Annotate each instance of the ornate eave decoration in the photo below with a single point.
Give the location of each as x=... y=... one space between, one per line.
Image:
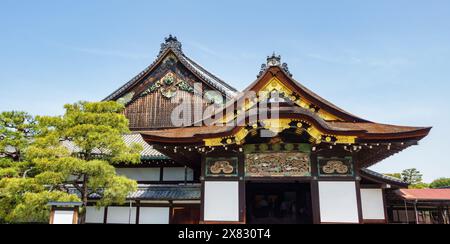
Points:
x=274 y=61
x=275 y=85
x=168 y=86
x=279 y=125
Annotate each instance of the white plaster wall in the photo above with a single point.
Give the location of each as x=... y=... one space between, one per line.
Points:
x=95 y=215
x=154 y=215
x=222 y=201
x=120 y=215
x=177 y=174
x=338 y=202
x=63 y=217
x=141 y=174
x=372 y=204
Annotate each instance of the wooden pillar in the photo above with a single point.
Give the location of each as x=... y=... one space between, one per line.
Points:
x=358 y=186
x=105 y=217
x=315 y=201
x=138 y=211
x=242 y=190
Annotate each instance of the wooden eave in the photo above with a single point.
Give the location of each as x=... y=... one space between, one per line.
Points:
x=197 y=134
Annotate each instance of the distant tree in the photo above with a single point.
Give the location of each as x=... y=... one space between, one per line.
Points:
x=419 y=186
x=440 y=183
x=395 y=175
x=412 y=176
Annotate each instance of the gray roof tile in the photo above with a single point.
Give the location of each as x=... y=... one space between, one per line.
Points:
x=147 y=153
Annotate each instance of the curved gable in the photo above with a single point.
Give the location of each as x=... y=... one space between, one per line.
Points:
x=151 y=97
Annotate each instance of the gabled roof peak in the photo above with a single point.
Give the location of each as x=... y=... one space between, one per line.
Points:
x=171 y=42
x=274 y=61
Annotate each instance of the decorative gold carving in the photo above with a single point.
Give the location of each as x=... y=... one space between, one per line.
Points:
x=278 y=165
x=279 y=125
x=169 y=85
x=335 y=166
x=220 y=167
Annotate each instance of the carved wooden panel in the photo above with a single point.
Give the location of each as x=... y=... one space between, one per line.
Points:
x=335 y=166
x=221 y=167
x=278 y=165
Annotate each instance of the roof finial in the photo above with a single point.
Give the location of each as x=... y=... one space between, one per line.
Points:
x=172 y=43
x=274 y=61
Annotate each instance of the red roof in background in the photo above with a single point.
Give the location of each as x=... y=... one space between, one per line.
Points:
x=425 y=194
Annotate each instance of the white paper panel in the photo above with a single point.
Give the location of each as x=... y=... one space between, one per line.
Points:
x=121 y=215
x=63 y=217
x=177 y=174
x=94 y=215
x=222 y=201
x=141 y=174
x=338 y=202
x=372 y=204
x=154 y=215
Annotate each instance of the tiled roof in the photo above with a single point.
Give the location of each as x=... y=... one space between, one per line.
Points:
x=173 y=45
x=365 y=130
x=147 y=153
x=424 y=194
x=162 y=192
x=384 y=177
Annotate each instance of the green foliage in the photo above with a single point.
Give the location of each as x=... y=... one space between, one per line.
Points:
x=16 y=130
x=46 y=169
x=12 y=193
x=440 y=183
x=395 y=175
x=412 y=176
x=419 y=186
x=34 y=208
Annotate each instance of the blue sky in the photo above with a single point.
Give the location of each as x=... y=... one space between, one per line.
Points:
x=387 y=61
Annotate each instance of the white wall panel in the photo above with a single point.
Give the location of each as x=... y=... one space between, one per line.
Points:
x=222 y=201
x=372 y=204
x=121 y=215
x=63 y=217
x=95 y=215
x=141 y=174
x=338 y=202
x=154 y=215
x=177 y=174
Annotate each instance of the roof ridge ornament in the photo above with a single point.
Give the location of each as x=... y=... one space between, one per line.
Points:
x=274 y=61
x=171 y=42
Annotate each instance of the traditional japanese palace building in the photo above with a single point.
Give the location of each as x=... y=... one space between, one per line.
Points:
x=297 y=159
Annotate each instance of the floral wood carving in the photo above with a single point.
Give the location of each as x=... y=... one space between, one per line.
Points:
x=169 y=85
x=338 y=167
x=335 y=166
x=222 y=167
x=278 y=165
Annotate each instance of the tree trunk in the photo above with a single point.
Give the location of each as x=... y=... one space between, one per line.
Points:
x=85 y=196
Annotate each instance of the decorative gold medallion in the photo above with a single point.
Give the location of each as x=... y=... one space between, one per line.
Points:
x=222 y=167
x=333 y=167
